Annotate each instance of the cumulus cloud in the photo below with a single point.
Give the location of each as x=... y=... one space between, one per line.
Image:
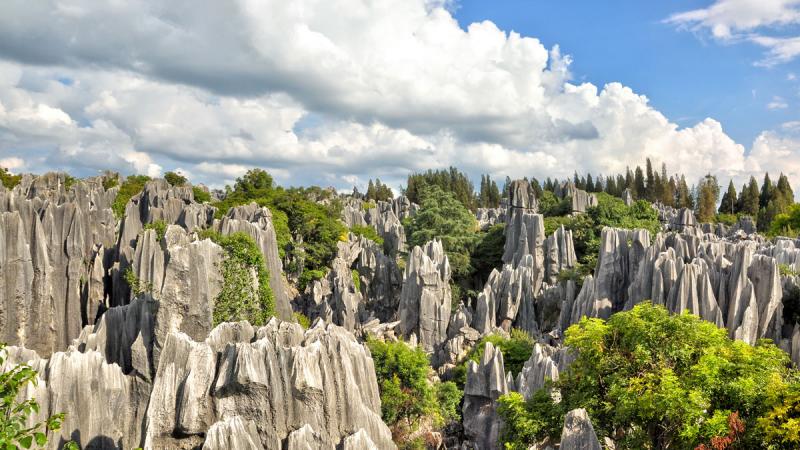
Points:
x=385 y=88
x=748 y=20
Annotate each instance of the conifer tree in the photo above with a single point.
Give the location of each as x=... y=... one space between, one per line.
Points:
x=749 y=198
x=767 y=192
x=728 y=203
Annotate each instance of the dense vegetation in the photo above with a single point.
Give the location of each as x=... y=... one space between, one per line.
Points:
x=306 y=221
x=451 y=180
x=175 y=179
x=132 y=185
x=408 y=398
x=378 y=192
x=238 y=299
x=653 y=380
x=8 y=180
x=16 y=431
x=368 y=232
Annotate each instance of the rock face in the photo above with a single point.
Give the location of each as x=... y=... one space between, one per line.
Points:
x=486 y=382
x=282 y=381
x=578 y=432
x=487 y=217
x=53 y=243
x=385 y=217
x=545 y=363
x=425 y=299
x=581 y=200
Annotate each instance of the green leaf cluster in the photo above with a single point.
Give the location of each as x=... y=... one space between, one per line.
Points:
x=516 y=348
x=650 y=379
x=201 y=195
x=368 y=232
x=8 y=180
x=132 y=185
x=448 y=180
x=137 y=286
x=160 y=228
x=15 y=431
x=175 y=179
x=238 y=298
x=407 y=394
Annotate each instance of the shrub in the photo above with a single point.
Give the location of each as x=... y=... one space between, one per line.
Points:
x=727 y=219
x=309 y=276
x=356 y=279
x=160 y=228
x=69 y=181
x=15 y=431
x=8 y=180
x=654 y=380
x=175 y=179
x=138 y=287
x=201 y=195
x=238 y=300
x=407 y=395
x=302 y=319
x=110 y=181
x=132 y=186
x=516 y=349
x=368 y=232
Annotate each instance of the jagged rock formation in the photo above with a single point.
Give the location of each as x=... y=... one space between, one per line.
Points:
x=546 y=363
x=627 y=197
x=487 y=217
x=578 y=432
x=486 y=382
x=425 y=299
x=581 y=200
x=385 y=217
x=53 y=244
x=283 y=380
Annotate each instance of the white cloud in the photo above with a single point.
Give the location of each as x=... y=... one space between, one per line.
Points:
x=746 y=20
x=777 y=103
x=385 y=88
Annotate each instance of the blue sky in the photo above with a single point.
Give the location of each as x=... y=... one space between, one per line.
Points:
x=686 y=75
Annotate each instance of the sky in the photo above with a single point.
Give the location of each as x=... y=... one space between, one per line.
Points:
x=335 y=92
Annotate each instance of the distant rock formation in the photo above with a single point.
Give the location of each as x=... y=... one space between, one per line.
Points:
x=486 y=382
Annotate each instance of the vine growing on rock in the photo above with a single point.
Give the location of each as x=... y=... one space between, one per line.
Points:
x=240 y=298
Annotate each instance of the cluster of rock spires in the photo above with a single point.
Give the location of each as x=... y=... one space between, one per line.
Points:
x=173 y=380
x=147 y=368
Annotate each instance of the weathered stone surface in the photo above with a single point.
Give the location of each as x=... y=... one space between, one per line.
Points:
x=425 y=299
x=524 y=236
x=326 y=381
x=486 y=381
x=578 y=432
x=233 y=433
x=545 y=363
x=487 y=217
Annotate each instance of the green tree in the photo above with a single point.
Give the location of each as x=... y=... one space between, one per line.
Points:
x=442 y=216
x=707 y=196
x=16 y=429
x=639 y=189
x=132 y=185
x=728 y=203
x=450 y=180
x=488 y=252
x=175 y=179
x=749 y=199
x=767 y=192
x=652 y=380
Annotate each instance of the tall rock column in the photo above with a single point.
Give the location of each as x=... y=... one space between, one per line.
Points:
x=425 y=299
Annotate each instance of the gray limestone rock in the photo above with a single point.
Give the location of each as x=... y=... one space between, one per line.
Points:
x=578 y=432
x=486 y=382
x=425 y=299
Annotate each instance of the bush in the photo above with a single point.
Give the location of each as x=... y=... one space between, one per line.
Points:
x=356 y=279
x=551 y=206
x=201 y=195
x=175 y=179
x=667 y=381
x=160 y=228
x=406 y=393
x=368 y=232
x=110 y=181
x=309 y=276
x=727 y=219
x=69 y=181
x=8 y=180
x=302 y=319
x=15 y=429
x=133 y=185
x=238 y=300
x=516 y=350
x=137 y=286
x=788 y=223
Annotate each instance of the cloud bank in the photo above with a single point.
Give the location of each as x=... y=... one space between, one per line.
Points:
x=323 y=92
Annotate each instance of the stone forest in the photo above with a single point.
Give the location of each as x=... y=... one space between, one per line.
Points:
x=636 y=310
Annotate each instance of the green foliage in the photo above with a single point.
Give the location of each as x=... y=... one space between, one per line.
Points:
x=655 y=380
x=378 y=191
x=707 y=196
x=308 y=276
x=450 y=180
x=528 y=421
x=585 y=236
x=160 y=228
x=551 y=206
x=781 y=425
x=727 y=219
x=201 y=195
x=69 y=181
x=15 y=431
x=787 y=223
x=8 y=180
x=791 y=303
x=488 y=252
x=366 y=206
x=175 y=179
x=368 y=232
x=110 y=181
x=295 y=212
x=302 y=319
x=138 y=287
x=787 y=271
x=516 y=348
x=356 y=279
x=239 y=299
x=132 y=185
x=489 y=196
x=443 y=217
x=407 y=395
